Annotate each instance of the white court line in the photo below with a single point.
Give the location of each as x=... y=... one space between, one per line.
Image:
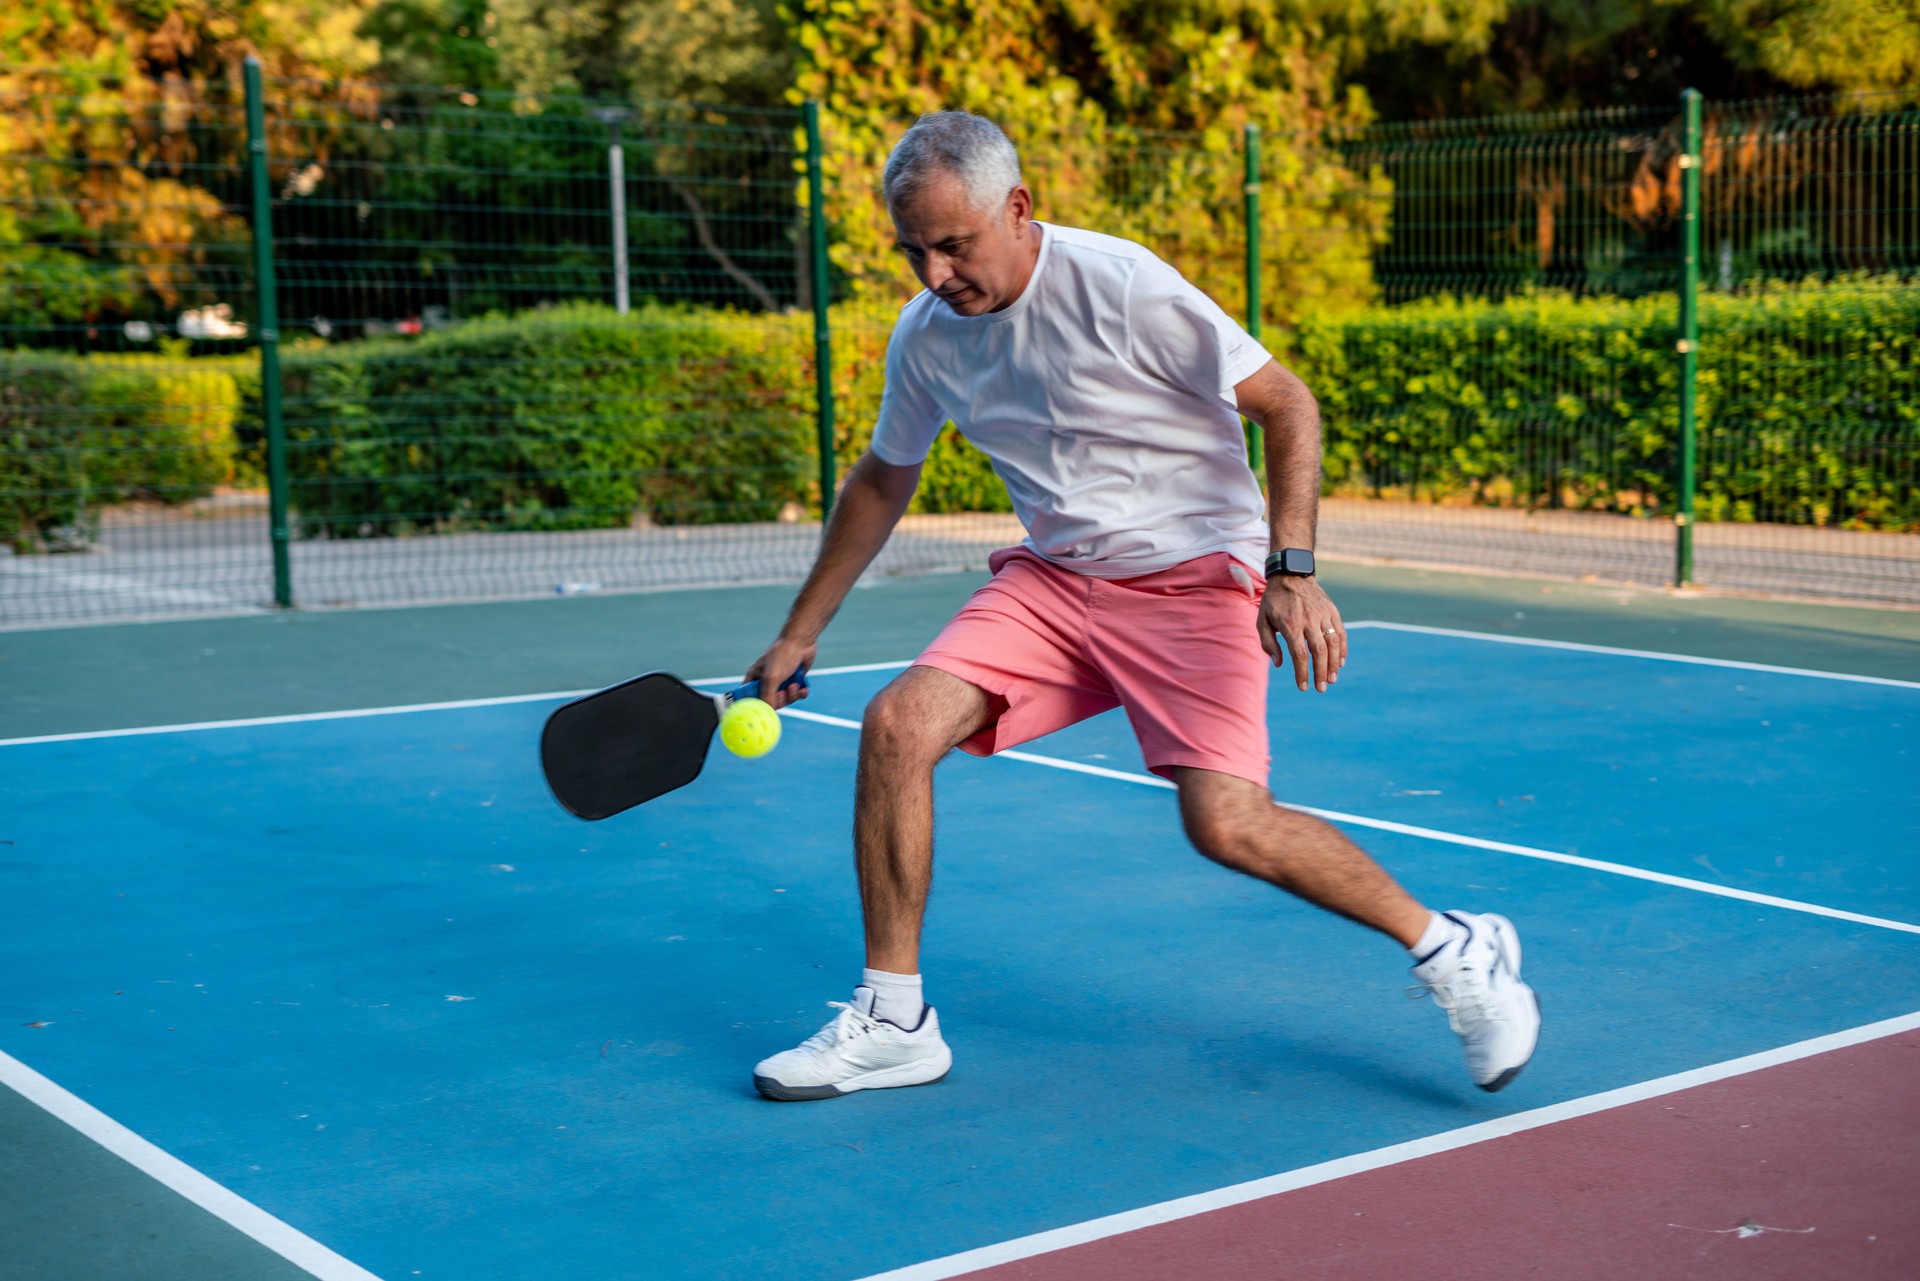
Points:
x=1449 y=838
x=1039 y=1243
x=1655 y=654
x=453 y=705
x=169 y=1171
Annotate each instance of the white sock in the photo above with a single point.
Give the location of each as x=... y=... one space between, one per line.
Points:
x=1440 y=931
x=893 y=997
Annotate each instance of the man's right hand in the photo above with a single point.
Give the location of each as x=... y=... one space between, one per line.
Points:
x=777 y=664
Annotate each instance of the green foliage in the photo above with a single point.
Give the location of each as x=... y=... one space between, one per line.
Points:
x=571 y=418
x=81 y=433
x=1087 y=92
x=115 y=179
x=1563 y=55
x=577 y=418
x=1841 y=44
x=1548 y=401
x=1792 y=431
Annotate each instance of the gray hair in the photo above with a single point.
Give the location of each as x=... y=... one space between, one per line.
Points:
x=971 y=148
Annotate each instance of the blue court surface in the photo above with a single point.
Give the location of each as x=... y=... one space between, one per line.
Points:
x=362 y=972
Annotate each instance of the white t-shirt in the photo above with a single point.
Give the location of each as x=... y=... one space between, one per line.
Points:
x=1103 y=397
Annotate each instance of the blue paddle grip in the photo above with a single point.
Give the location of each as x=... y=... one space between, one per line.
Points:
x=752 y=688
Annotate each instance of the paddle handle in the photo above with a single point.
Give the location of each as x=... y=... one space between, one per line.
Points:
x=752 y=688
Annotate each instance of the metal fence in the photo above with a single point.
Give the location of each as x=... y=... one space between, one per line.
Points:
x=1690 y=356
x=333 y=345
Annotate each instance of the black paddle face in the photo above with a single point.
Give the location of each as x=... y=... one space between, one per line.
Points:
x=627 y=744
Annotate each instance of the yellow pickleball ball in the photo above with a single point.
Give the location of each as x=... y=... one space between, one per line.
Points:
x=749 y=727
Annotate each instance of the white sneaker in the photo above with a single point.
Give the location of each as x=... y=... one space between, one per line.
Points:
x=856 y=1051
x=1475 y=978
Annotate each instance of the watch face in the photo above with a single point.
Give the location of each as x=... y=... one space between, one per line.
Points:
x=1297 y=560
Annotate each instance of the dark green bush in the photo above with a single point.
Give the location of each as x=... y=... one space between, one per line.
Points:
x=79 y=433
x=569 y=418
x=574 y=417
x=1810 y=406
x=1806 y=399
x=578 y=418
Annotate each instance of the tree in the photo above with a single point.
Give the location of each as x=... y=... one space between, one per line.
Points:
x=1562 y=55
x=1088 y=90
x=114 y=113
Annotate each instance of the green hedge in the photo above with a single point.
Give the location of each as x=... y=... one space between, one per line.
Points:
x=1808 y=401
x=79 y=433
x=568 y=418
x=574 y=417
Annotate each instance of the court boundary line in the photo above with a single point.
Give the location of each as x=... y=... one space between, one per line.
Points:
x=1658 y=655
x=170 y=1172
x=1057 y=1239
x=293 y=718
x=1446 y=838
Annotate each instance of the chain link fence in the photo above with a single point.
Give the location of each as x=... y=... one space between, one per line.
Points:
x=519 y=348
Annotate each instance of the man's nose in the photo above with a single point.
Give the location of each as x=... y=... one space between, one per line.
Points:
x=939 y=270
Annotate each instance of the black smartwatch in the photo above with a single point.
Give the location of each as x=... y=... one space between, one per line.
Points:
x=1291 y=562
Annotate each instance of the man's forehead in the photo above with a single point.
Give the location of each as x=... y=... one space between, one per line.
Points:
x=938 y=213
x=945 y=231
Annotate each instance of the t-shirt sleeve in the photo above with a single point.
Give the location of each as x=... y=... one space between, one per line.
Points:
x=909 y=420
x=1179 y=335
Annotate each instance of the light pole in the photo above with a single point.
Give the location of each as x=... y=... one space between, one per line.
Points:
x=613 y=117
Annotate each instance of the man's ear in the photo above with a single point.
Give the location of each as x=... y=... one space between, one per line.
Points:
x=1019 y=207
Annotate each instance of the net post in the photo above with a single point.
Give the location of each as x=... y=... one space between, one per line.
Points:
x=1250 y=186
x=1689 y=339
x=822 y=328
x=267 y=325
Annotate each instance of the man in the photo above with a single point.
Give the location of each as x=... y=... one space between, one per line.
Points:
x=1108 y=393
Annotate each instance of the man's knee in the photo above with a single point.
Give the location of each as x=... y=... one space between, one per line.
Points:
x=1221 y=814
x=1215 y=832
x=920 y=716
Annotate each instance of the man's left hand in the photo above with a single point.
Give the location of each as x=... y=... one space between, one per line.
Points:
x=1297 y=618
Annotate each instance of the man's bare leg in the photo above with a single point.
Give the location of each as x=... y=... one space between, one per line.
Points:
x=920 y=717
x=1470 y=963
x=917 y=719
x=1235 y=823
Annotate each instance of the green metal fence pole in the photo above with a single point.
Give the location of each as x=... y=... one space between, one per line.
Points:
x=1689 y=342
x=267 y=322
x=822 y=329
x=1252 y=190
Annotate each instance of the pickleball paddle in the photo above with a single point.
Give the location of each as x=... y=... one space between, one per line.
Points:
x=626 y=744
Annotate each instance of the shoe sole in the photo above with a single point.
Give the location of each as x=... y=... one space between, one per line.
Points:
x=783 y=1093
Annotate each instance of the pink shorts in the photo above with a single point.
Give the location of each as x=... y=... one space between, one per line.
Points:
x=1178 y=649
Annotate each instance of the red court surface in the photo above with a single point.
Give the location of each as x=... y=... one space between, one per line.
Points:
x=1806 y=1171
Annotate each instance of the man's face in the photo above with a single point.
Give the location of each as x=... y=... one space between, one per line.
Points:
x=977 y=260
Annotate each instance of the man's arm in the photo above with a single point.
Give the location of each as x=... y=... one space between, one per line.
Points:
x=870 y=504
x=1295 y=614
